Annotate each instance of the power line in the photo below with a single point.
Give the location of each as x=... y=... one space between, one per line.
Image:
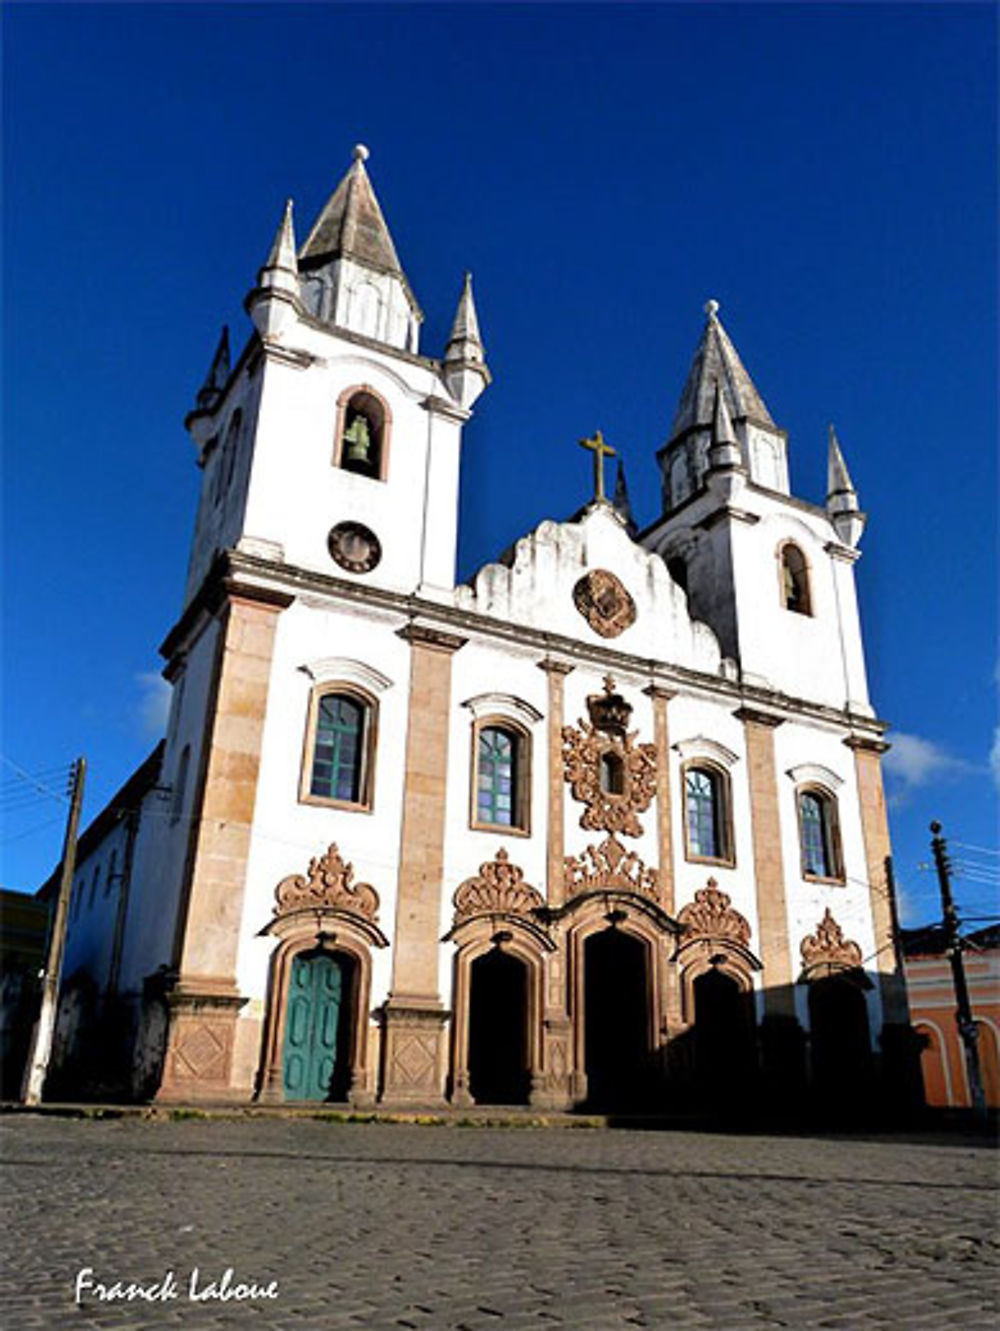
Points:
x=982 y=850
x=34 y=781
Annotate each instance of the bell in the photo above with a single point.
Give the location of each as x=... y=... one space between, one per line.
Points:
x=357 y=437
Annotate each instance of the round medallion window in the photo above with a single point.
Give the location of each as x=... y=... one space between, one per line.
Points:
x=354 y=547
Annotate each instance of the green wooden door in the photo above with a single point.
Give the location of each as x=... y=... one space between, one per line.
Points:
x=312 y=1026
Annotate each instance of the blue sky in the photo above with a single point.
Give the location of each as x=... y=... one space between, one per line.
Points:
x=826 y=172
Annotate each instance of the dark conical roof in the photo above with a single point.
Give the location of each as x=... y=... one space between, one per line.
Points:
x=351 y=224
x=716 y=361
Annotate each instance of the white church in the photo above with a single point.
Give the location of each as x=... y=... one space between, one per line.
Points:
x=603 y=827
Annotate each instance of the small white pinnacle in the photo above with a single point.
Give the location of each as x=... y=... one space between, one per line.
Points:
x=711 y=308
x=360 y=152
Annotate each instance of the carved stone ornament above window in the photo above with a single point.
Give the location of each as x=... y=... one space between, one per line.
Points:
x=329 y=884
x=590 y=750
x=609 y=712
x=609 y=867
x=498 y=889
x=604 y=603
x=711 y=916
x=828 y=947
x=354 y=547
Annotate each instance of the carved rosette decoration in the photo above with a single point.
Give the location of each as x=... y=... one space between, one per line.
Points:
x=710 y=916
x=498 y=889
x=328 y=885
x=609 y=867
x=603 y=746
x=604 y=603
x=828 y=949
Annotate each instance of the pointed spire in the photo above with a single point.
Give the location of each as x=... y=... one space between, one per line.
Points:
x=218 y=373
x=276 y=298
x=716 y=362
x=621 y=502
x=842 y=505
x=465 y=343
x=464 y=366
x=282 y=255
x=838 y=477
x=724 y=450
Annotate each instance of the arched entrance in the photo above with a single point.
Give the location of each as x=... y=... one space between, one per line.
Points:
x=316 y=1059
x=498 y=1030
x=724 y=1048
x=616 y=1019
x=840 y=1047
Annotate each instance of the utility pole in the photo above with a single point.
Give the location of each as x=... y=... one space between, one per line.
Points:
x=967 y=1027
x=41 y=1041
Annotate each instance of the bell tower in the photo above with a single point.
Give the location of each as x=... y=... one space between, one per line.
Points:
x=332 y=444
x=772 y=574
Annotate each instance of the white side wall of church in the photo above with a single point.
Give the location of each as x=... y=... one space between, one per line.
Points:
x=161 y=848
x=97 y=884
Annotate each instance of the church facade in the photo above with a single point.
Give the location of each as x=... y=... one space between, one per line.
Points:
x=604 y=826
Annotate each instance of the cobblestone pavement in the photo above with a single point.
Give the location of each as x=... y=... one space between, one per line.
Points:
x=399 y=1226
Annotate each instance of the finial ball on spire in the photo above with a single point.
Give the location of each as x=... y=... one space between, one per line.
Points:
x=711 y=308
x=361 y=153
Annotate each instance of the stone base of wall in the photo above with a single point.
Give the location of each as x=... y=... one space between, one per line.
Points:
x=413 y=1052
x=200 y=1041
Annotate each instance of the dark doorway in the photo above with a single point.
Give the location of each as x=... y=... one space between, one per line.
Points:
x=498 y=1030
x=840 y=1048
x=616 y=1020
x=724 y=1045
x=316 y=1063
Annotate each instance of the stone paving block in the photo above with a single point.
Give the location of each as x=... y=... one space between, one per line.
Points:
x=394 y=1227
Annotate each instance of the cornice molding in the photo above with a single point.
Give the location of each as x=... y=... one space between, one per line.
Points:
x=559 y=653
x=434 y=638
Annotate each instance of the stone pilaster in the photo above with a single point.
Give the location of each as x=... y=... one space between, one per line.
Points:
x=769 y=872
x=556 y=831
x=413 y=1017
x=664 y=827
x=875 y=832
x=665 y=844
x=205 y=1001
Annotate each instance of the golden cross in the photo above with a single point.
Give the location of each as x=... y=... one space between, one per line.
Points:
x=600 y=450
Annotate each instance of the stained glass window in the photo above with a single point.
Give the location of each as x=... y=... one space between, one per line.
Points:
x=496 y=777
x=338 y=753
x=703 y=814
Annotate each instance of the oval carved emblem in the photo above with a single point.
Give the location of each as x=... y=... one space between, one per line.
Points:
x=604 y=603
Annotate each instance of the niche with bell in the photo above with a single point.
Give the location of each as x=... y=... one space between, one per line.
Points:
x=607 y=770
x=363 y=421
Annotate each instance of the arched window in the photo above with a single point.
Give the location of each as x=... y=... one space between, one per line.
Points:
x=708 y=833
x=231 y=448
x=93 y=886
x=819 y=834
x=680 y=485
x=795 y=580
x=500 y=777
x=362 y=433
x=180 y=784
x=112 y=873
x=342 y=734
